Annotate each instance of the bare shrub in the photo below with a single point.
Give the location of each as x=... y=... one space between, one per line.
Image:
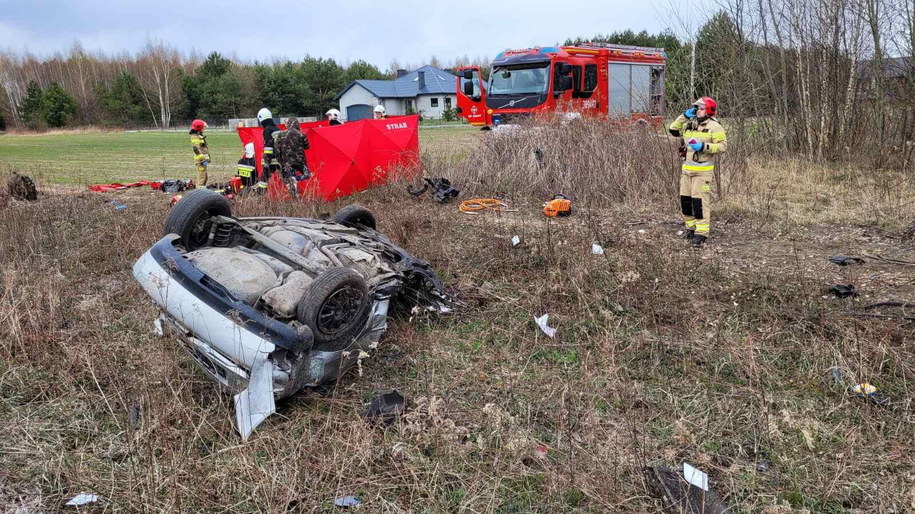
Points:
x=588 y=160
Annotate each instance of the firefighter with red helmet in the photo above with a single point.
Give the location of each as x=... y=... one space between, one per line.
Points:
x=201 y=150
x=703 y=138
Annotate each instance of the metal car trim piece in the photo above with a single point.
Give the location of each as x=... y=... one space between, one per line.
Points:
x=193 y=280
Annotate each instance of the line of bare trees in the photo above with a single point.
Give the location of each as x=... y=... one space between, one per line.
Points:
x=157 y=69
x=828 y=79
x=159 y=83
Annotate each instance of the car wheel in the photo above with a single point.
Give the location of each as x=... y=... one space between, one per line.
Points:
x=355 y=216
x=191 y=217
x=335 y=307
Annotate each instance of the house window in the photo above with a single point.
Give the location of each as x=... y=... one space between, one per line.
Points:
x=447 y=102
x=434 y=101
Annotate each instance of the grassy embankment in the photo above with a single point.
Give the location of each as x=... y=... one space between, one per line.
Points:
x=720 y=357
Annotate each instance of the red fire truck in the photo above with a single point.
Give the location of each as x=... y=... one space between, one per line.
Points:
x=621 y=83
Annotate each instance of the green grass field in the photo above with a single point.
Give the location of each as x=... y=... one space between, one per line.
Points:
x=82 y=158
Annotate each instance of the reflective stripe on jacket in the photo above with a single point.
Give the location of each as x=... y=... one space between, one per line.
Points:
x=245 y=170
x=709 y=132
x=199 y=145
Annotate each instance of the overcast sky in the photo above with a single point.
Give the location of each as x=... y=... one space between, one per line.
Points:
x=410 y=31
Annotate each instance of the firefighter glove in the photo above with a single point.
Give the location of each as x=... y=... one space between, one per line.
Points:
x=696 y=145
x=691 y=112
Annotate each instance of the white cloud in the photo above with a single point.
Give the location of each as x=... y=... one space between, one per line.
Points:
x=409 y=31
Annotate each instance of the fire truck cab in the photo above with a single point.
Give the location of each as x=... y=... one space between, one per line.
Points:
x=624 y=84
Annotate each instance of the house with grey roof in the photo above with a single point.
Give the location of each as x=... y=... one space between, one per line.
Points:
x=426 y=90
x=895 y=71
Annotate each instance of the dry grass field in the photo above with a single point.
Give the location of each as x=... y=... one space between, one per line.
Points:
x=733 y=358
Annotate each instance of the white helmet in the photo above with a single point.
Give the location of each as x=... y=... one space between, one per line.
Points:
x=379 y=108
x=264 y=114
x=333 y=113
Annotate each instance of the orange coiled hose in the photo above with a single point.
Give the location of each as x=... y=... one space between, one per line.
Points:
x=475 y=205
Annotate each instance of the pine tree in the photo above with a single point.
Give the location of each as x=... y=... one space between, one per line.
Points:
x=361 y=70
x=58 y=106
x=123 y=100
x=325 y=78
x=31 y=109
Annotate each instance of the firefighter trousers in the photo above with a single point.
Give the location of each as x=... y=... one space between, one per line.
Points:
x=201 y=174
x=696 y=200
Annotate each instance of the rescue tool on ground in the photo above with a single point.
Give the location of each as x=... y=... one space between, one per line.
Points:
x=559 y=206
x=622 y=83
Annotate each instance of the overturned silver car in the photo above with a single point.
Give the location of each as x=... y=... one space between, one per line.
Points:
x=267 y=306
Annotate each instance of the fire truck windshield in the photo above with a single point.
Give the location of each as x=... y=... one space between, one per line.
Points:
x=505 y=81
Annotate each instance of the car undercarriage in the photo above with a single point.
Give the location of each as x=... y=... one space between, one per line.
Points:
x=267 y=306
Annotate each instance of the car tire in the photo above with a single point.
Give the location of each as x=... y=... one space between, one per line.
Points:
x=189 y=218
x=356 y=216
x=335 y=307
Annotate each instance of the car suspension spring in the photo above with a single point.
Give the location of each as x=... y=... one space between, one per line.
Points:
x=222 y=236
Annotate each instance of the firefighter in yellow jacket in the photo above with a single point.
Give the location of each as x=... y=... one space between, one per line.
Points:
x=703 y=139
x=201 y=151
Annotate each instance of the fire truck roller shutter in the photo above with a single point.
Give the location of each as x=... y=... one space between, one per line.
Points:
x=620 y=75
x=641 y=88
x=358 y=112
x=630 y=89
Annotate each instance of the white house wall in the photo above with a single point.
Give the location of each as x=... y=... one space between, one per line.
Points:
x=393 y=106
x=424 y=105
x=358 y=95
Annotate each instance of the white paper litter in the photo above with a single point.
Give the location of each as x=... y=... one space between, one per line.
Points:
x=642 y=231
x=158 y=328
x=347 y=501
x=541 y=322
x=597 y=249
x=82 y=499
x=516 y=241
x=695 y=477
x=254 y=404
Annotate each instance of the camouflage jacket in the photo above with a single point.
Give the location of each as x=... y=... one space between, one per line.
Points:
x=292 y=146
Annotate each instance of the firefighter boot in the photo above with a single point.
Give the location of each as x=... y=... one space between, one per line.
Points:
x=689 y=234
x=697 y=241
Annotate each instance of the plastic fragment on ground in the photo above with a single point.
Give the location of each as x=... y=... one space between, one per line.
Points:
x=695 y=477
x=83 y=499
x=542 y=323
x=347 y=501
x=254 y=404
